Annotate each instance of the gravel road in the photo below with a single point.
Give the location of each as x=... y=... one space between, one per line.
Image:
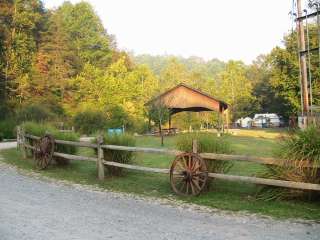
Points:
x=6 y=145
x=36 y=209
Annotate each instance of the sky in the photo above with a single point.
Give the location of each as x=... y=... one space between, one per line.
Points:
x=223 y=29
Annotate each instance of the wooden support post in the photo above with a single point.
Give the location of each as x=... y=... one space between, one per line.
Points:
x=194 y=146
x=303 y=62
x=222 y=116
x=227 y=118
x=100 y=165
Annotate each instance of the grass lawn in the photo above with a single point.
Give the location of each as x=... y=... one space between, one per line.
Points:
x=225 y=195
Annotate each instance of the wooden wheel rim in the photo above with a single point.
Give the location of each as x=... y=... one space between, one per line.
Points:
x=44 y=151
x=188 y=174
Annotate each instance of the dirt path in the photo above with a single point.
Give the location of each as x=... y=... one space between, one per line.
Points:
x=36 y=209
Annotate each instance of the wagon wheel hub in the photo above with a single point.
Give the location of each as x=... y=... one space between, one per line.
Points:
x=187 y=175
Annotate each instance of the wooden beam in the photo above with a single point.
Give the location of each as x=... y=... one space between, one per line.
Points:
x=77 y=144
x=314 y=14
x=141 y=149
x=265 y=181
x=74 y=157
x=32 y=136
x=261 y=160
x=134 y=167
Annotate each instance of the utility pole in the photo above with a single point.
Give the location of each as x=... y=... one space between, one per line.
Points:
x=303 y=62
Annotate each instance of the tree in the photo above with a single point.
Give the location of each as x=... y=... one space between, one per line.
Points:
x=159 y=114
x=284 y=71
x=23 y=21
x=268 y=98
x=86 y=33
x=235 y=88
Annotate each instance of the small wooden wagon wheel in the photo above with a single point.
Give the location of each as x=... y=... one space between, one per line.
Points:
x=44 y=151
x=188 y=174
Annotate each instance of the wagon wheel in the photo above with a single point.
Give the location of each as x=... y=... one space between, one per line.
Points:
x=188 y=174
x=44 y=151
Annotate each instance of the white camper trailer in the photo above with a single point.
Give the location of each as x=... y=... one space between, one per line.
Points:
x=262 y=120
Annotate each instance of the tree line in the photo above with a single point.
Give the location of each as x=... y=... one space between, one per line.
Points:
x=65 y=60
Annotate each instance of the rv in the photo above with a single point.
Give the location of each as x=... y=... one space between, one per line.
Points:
x=265 y=120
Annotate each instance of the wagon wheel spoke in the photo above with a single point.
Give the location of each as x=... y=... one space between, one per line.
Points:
x=197 y=178
x=185 y=162
x=192 y=188
x=183 y=185
x=196 y=184
x=195 y=166
x=181 y=165
x=187 y=190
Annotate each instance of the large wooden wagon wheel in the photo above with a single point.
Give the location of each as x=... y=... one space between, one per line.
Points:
x=188 y=174
x=44 y=151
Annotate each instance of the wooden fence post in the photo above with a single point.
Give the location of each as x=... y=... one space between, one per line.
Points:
x=100 y=165
x=194 y=146
x=18 y=137
x=23 y=142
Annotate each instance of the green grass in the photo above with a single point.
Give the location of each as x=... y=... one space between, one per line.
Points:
x=225 y=195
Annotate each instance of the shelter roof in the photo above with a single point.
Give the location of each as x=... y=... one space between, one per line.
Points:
x=185 y=98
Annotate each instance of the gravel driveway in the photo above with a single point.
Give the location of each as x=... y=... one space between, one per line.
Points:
x=32 y=208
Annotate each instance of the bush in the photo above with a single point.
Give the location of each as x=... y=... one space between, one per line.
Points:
x=7 y=129
x=35 y=113
x=89 y=122
x=207 y=143
x=298 y=148
x=116 y=155
x=1 y=137
x=40 y=129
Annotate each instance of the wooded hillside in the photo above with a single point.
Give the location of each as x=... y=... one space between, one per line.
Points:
x=64 y=61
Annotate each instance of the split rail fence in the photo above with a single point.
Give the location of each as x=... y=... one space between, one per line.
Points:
x=101 y=162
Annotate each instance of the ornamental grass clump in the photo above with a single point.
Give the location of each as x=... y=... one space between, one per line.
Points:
x=125 y=157
x=299 y=149
x=208 y=143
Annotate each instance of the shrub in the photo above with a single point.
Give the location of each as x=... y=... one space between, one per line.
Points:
x=207 y=143
x=89 y=122
x=7 y=128
x=40 y=129
x=35 y=113
x=1 y=137
x=298 y=148
x=116 y=155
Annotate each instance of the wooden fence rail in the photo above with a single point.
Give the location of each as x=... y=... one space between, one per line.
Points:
x=101 y=162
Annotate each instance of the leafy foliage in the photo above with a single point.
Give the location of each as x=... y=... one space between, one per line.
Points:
x=89 y=122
